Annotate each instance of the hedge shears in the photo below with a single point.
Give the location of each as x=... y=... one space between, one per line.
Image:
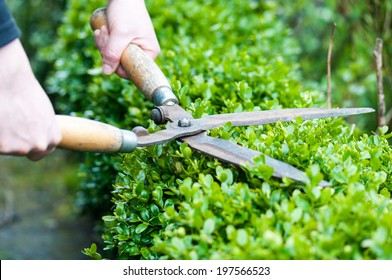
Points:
x=92 y=136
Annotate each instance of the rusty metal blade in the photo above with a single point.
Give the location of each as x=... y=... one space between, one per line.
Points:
x=230 y=152
x=173 y=131
x=272 y=116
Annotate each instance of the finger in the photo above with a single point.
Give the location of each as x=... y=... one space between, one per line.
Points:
x=97 y=34
x=41 y=151
x=36 y=155
x=113 y=51
x=101 y=37
x=121 y=72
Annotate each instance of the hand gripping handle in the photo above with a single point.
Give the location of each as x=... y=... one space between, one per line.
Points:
x=140 y=68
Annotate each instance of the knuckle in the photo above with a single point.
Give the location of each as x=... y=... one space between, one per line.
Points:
x=110 y=55
x=38 y=148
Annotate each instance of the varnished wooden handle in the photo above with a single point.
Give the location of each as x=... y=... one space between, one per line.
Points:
x=86 y=135
x=140 y=68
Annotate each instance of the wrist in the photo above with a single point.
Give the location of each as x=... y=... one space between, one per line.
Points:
x=14 y=64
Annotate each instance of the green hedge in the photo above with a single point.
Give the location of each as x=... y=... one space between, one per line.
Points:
x=169 y=202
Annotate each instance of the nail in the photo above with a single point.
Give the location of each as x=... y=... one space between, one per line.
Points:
x=107 y=69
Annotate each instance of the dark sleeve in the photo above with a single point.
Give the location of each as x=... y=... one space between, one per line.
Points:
x=8 y=29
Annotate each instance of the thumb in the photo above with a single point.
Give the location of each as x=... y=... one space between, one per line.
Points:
x=112 y=52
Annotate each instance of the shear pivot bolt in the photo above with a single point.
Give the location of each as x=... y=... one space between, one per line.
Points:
x=157 y=116
x=184 y=122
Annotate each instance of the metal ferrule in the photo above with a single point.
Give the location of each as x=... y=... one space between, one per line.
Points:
x=163 y=96
x=129 y=141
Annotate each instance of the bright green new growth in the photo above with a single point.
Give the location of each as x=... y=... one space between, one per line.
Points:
x=170 y=202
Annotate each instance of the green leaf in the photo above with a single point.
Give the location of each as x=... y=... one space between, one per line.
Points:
x=122 y=237
x=178 y=244
x=209 y=226
x=158 y=194
x=140 y=228
x=133 y=218
x=154 y=210
x=375 y=163
x=146 y=253
x=266 y=189
x=224 y=175
x=145 y=214
x=120 y=211
x=108 y=218
x=296 y=215
x=338 y=174
x=186 y=151
x=93 y=248
x=92 y=252
x=264 y=171
x=365 y=155
x=242 y=237
x=383 y=130
x=385 y=192
x=206 y=180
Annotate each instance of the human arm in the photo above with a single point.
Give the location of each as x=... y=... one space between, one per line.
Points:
x=27 y=119
x=128 y=22
x=27 y=123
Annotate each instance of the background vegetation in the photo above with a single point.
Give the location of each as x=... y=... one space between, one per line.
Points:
x=38 y=21
x=169 y=202
x=358 y=24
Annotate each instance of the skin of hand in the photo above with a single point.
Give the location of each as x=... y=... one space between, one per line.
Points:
x=27 y=118
x=128 y=22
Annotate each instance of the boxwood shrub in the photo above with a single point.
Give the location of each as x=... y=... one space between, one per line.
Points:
x=169 y=202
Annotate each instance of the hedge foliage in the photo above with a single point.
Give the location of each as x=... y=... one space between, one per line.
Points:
x=169 y=202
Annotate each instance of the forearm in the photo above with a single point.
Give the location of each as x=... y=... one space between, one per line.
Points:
x=14 y=64
x=27 y=120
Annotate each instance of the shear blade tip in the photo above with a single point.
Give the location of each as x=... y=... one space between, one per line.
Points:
x=367 y=110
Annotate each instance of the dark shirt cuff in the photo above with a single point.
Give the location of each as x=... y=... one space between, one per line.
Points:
x=8 y=28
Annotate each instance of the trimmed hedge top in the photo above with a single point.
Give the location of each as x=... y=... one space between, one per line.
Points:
x=172 y=203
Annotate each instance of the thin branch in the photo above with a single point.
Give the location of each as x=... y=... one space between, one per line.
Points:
x=380 y=90
x=329 y=102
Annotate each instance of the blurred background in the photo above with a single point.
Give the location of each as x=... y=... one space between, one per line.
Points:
x=38 y=218
x=38 y=215
x=41 y=213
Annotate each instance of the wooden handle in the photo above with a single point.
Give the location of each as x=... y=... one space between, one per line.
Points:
x=86 y=135
x=140 y=68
